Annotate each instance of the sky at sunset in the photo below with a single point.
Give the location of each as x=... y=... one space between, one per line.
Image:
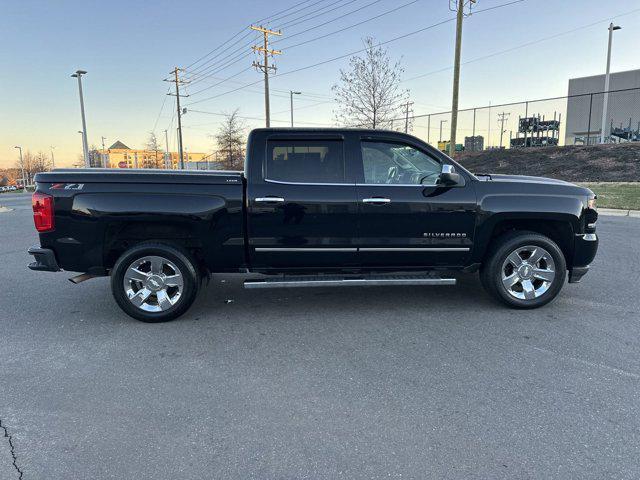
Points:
x=527 y=50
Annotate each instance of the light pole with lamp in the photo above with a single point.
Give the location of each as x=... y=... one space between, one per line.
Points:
x=24 y=179
x=53 y=160
x=441 y=122
x=291 y=94
x=605 y=101
x=85 y=144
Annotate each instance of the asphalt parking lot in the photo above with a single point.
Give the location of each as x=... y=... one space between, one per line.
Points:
x=396 y=382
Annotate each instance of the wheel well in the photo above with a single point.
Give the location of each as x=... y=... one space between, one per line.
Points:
x=121 y=237
x=558 y=231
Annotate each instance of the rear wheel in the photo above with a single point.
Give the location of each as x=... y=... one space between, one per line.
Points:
x=524 y=270
x=155 y=282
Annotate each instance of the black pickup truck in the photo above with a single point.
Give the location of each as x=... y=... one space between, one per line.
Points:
x=314 y=207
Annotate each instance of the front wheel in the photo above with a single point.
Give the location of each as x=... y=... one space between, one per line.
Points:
x=154 y=282
x=524 y=270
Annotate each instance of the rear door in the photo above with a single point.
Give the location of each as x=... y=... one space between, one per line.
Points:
x=302 y=210
x=404 y=218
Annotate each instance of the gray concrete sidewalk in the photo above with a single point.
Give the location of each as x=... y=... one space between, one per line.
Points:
x=615 y=212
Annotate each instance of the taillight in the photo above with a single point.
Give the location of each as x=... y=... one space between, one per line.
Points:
x=42 y=205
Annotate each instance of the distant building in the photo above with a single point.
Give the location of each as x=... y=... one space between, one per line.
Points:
x=623 y=111
x=119 y=155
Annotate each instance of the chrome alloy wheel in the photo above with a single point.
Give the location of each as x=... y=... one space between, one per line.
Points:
x=528 y=272
x=153 y=283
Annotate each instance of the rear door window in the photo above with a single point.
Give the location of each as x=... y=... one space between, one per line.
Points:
x=305 y=161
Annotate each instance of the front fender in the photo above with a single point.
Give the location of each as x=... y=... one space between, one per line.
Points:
x=532 y=209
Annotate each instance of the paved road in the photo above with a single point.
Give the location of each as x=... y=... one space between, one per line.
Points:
x=375 y=382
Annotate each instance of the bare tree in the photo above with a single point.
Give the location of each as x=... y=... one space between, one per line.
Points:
x=34 y=163
x=369 y=93
x=154 y=146
x=230 y=141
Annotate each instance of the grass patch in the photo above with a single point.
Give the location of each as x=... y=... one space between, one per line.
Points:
x=616 y=194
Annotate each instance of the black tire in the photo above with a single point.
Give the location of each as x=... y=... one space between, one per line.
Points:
x=184 y=293
x=496 y=267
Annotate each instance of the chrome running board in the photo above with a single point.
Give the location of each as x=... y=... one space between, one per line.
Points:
x=286 y=281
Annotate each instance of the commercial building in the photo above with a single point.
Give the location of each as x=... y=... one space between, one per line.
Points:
x=585 y=103
x=119 y=155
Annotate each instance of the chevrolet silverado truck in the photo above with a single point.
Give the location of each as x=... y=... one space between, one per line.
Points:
x=314 y=207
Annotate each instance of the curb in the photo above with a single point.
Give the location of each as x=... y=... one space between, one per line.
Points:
x=614 y=212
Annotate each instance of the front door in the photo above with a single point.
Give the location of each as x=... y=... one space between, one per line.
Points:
x=404 y=218
x=302 y=211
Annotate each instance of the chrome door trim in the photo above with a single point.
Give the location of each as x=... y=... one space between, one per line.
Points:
x=269 y=200
x=414 y=249
x=393 y=185
x=376 y=200
x=279 y=182
x=361 y=249
x=305 y=249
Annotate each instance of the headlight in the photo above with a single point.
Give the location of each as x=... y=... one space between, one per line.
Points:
x=592 y=203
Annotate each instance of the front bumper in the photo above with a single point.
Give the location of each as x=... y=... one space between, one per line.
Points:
x=585 y=249
x=45 y=260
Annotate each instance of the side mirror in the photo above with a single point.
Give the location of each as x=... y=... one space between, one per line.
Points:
x=449 y=177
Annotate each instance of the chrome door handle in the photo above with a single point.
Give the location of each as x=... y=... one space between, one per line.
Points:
x=376 y=200
x=269 y=200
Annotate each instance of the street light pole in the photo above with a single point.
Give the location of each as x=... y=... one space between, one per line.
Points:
x=24 y=180
x=104 y=153
x=441 y=122
x=85 y=144
x=605 y=102
x=291 y=94
x=53 y=160
x=167 y=155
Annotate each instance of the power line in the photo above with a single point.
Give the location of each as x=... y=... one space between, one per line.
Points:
x=275 y=18
x=215 y=49
x=295 y=21
x=164 y=100
x=523 y=45
x=254 y=118
x=400 y=37
x=236 y=56
x=229 y=56
x=289 y=36
x=249 y=33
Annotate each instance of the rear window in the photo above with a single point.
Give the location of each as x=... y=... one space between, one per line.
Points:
x=305 y=161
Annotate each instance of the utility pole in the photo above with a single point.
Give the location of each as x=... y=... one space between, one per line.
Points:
x=53 y=160
x=178 y=82
x=456 y=69
x=85 y=144
x=291 y=94
x=605 y=102
x=104 y=153
x=265 y=67
x=406 y=116
x=24 y=179
x=502 y=117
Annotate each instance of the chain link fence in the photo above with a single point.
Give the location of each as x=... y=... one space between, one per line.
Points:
x=559 y=121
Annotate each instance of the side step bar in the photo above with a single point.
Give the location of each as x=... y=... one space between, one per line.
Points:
x=347 y=281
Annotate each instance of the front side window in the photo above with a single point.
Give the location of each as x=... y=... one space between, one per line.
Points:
x=399 y=164
x=305 y=161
